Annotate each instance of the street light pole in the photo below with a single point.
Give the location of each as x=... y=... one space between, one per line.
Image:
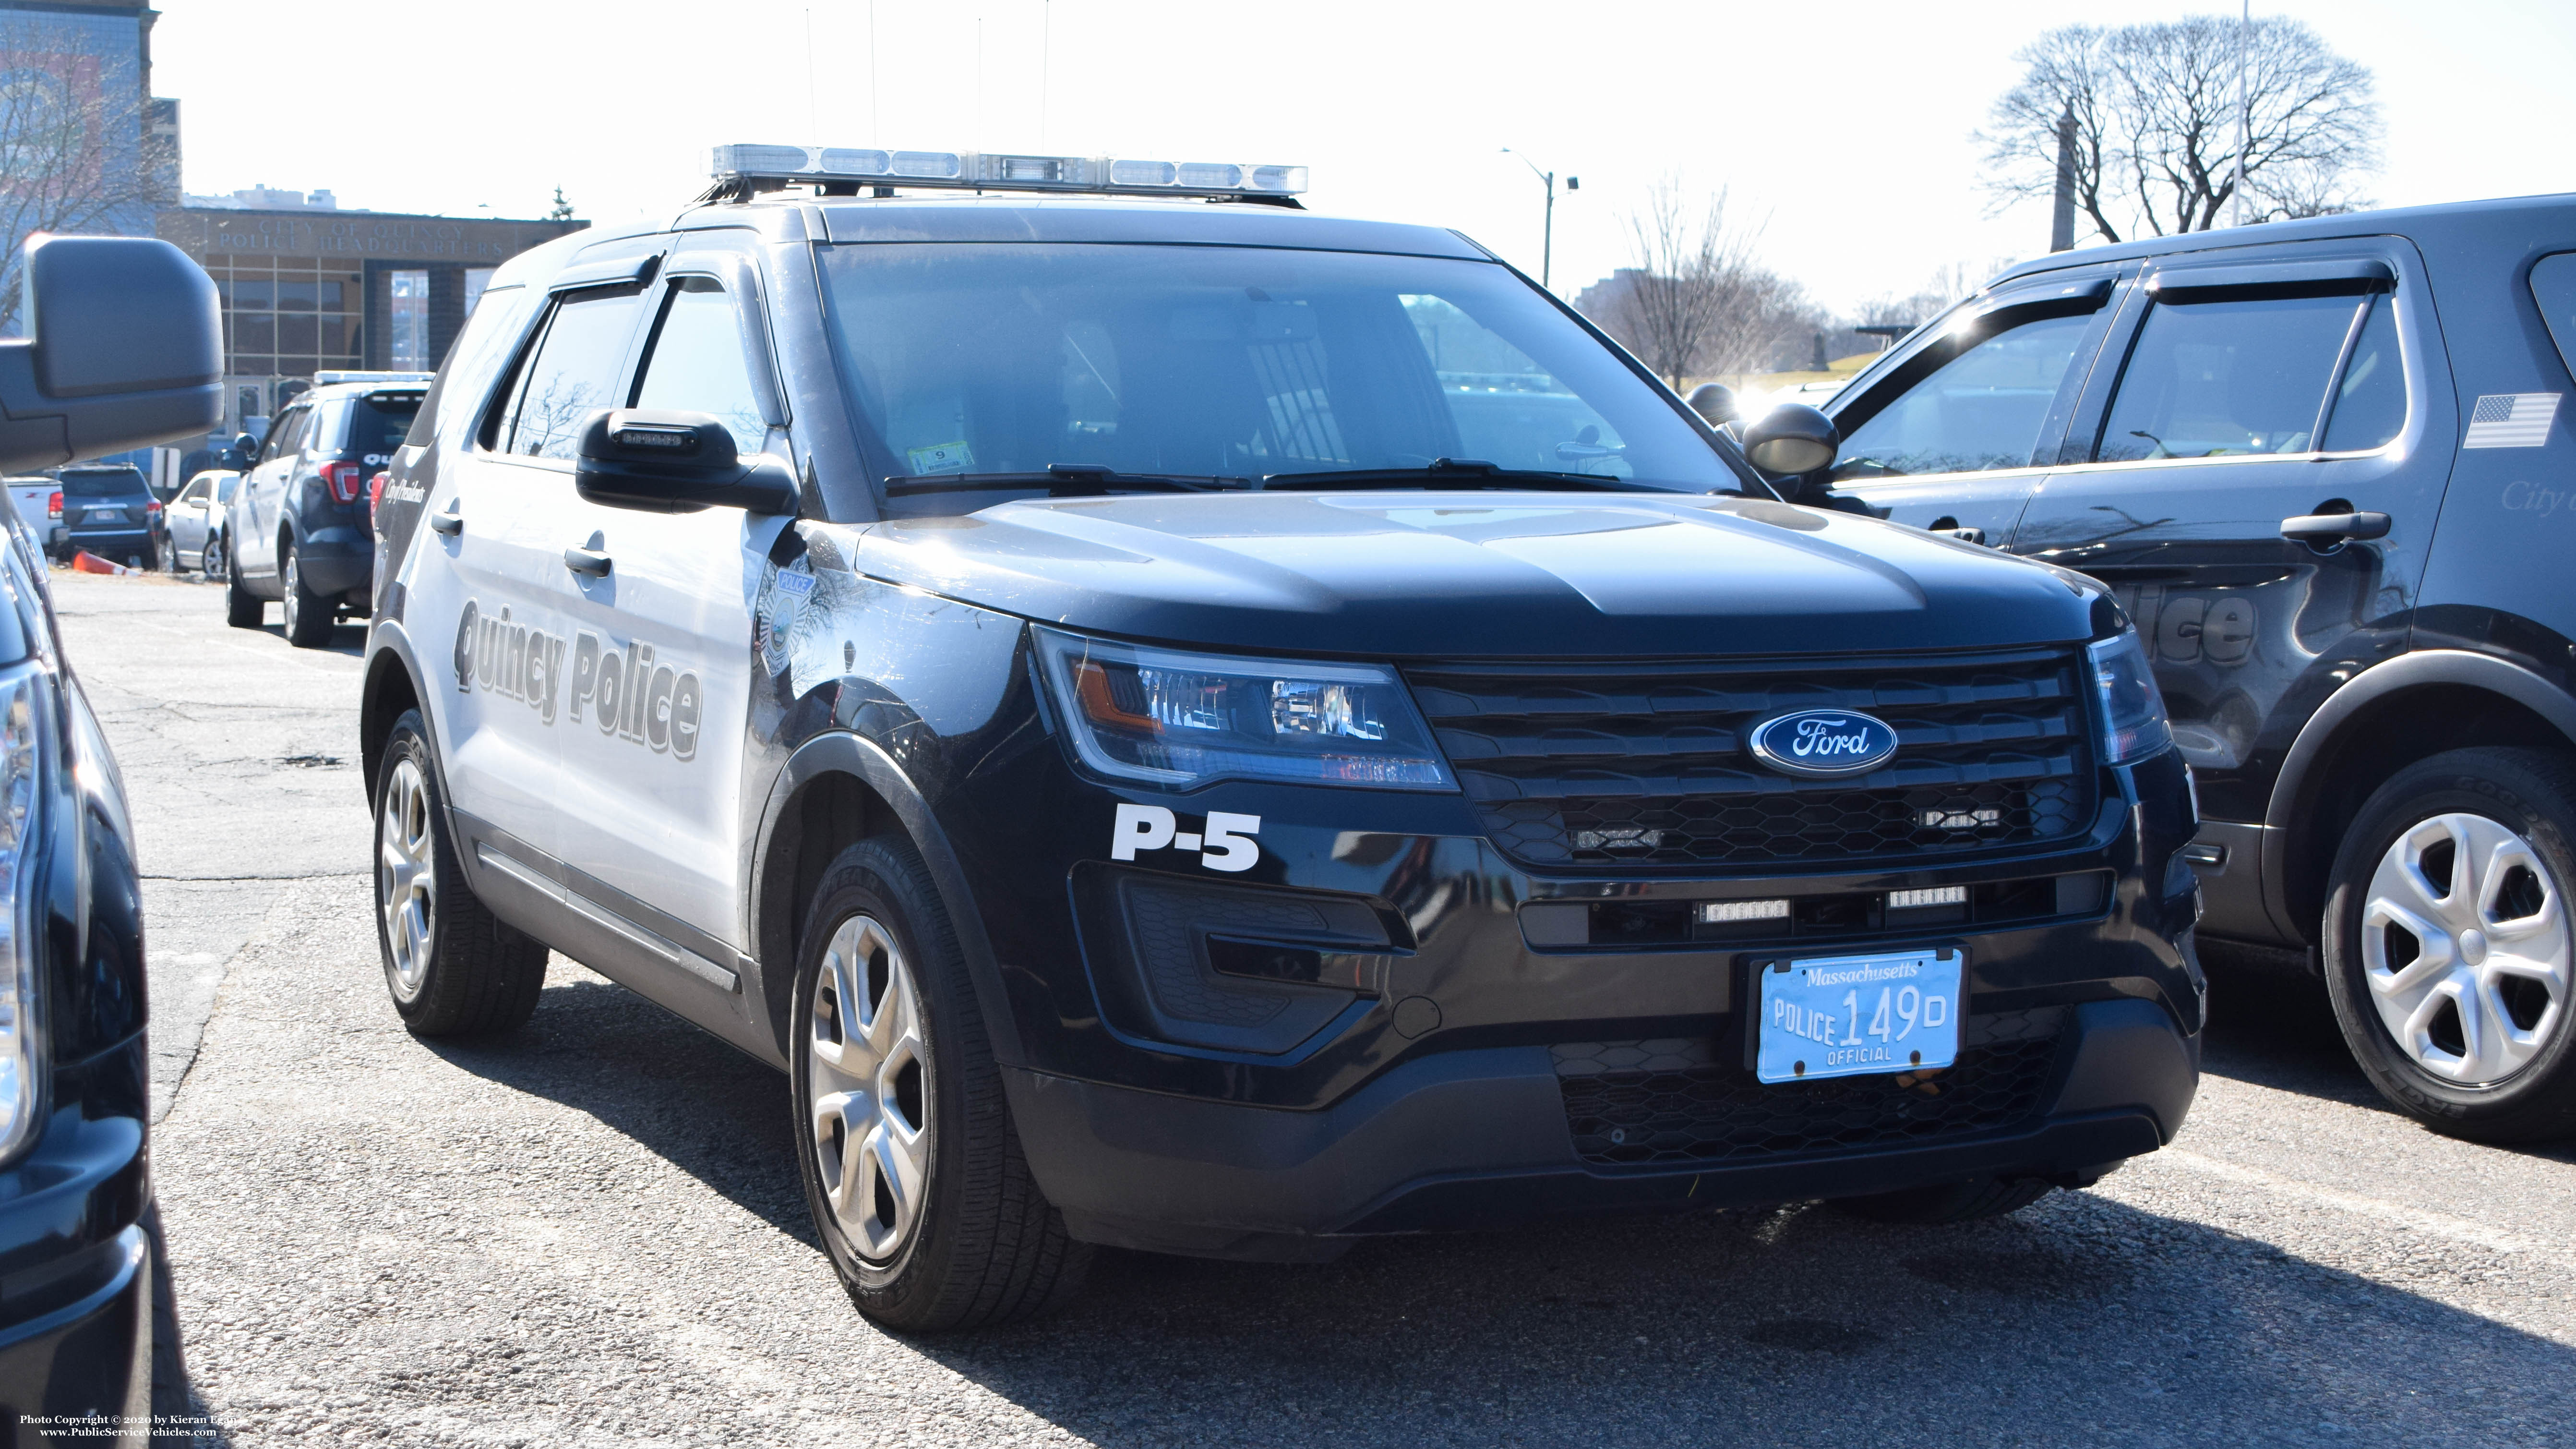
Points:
x=1547 y=230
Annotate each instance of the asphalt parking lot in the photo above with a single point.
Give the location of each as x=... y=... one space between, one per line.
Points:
x=592 y=1233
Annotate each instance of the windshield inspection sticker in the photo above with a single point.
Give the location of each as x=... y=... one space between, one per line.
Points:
x=942 y=458
x=2511 y=420
x=1225 y=843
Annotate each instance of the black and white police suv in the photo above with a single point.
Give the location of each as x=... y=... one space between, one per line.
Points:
x=1190 y=725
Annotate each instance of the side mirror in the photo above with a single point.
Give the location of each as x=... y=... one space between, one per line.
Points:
x=1714 y=402
x=675 y=462
x=1790 y=439
x=124 y=348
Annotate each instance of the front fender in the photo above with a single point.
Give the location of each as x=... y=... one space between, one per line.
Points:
x=864 y=760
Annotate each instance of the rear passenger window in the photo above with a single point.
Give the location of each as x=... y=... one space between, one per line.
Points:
x=1983 y=410
x=2226 y=378
x=2553 y=286
x=2370 y=402
x=697 y=364
x=572 y=373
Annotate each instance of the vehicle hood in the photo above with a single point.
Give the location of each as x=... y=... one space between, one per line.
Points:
x=1405 y=574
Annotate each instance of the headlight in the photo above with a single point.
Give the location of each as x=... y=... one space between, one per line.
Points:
x=2126 y=701
x=25 y=716
x=1181 y=720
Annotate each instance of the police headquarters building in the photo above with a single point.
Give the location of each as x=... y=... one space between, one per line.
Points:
x=314 y=288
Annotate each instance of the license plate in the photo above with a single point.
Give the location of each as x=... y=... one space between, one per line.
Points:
x=107 y=515
x=1849 y=1016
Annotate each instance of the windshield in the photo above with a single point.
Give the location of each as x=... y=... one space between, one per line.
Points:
x=1229 y=363
x=102 y=483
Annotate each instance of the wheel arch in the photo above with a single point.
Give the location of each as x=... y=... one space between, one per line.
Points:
x=392 y=686
x=836 y=790
x=2411 y=708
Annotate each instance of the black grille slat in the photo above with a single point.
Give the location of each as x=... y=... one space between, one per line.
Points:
x=1645 y=764
x=1671 y=1102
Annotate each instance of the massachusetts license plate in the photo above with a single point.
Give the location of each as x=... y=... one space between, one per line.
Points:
x=107 y=515
x=1849 y=1016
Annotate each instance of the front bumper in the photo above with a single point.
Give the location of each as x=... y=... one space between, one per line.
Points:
x=75 y=1290
x=1417 y=1071
x=1480 y=1138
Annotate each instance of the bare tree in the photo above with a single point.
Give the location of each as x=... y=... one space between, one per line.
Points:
x=1696 y=303
x=2157 y=130
x=70 y=151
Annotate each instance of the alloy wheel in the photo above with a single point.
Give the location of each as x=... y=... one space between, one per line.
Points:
x=868 y=1088
x=2466 y=946
x=212 y=564
x=294 y=588
x=407 y=876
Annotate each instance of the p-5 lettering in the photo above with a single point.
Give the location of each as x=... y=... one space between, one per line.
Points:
x=1223 y=843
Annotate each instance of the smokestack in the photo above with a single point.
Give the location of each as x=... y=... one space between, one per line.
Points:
x=2061 y=222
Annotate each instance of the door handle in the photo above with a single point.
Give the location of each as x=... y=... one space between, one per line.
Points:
x=448 y=521
x=591 y=561
x=2331 y=530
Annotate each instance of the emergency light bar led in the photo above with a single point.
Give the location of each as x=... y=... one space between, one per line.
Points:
x=995 y=171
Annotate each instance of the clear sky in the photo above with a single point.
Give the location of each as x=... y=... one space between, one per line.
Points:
x=1844 y=126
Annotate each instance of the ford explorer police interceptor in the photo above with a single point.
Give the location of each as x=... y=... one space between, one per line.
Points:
x=1186 y=724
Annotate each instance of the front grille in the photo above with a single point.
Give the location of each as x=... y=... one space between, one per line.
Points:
x=1645 y=764
x=1671 y=1102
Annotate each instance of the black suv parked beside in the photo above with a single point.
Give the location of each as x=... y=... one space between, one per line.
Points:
x=2323 y=465
x=108 y=510
x=299 y=529
x=1188 y=725
x=128 y=351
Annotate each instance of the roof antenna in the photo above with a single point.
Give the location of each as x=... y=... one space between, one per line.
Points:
x=1046 y=54
x=873 y=138
x=813 y=116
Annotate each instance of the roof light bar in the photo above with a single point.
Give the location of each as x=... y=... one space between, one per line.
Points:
x=1001 y=171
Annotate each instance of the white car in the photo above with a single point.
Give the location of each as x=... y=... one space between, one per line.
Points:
x=193 y=531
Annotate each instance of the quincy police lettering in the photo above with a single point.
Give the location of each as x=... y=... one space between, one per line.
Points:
x=510 y=659
x=629 y=693
x=634 y=697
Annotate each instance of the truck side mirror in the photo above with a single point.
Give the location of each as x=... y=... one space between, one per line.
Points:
x=1790 y=439
x=676 y=462
x=124 y=348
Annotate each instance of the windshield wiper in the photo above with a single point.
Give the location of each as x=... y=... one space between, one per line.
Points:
x=1460 y=473
x=1066 y=480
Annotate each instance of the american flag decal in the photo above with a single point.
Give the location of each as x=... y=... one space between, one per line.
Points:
x=2511 y=420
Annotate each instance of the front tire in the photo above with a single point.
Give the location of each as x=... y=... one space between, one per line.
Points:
x=309 y=617
x=2449 y=948
x=165 y=555
x=211 y=563
x=453 y=967
x=912 y=1169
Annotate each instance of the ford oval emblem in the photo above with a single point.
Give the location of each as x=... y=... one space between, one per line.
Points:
x=1823 y=742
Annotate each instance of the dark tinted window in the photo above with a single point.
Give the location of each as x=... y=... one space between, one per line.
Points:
x=100 y=482
x=2220 y=379
x=572 y=374
x=288 y=433
x=374 y=425
x=697 y=363
x=2553 y=286
x=2370 y=405
x=1983 y=410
